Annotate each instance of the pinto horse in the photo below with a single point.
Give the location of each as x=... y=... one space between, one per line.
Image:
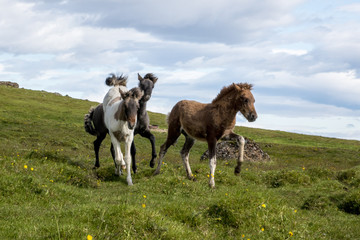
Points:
x=209 y=122
x=120 y=117
x=94 y=120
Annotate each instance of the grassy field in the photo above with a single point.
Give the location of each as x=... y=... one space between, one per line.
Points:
x=48 y=189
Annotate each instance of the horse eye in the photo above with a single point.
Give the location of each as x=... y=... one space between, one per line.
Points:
x=246 y=100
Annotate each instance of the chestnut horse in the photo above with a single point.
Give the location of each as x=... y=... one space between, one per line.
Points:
x=209 y=122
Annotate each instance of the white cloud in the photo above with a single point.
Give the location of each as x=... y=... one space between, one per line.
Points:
x=302 y=56
x=296 y=52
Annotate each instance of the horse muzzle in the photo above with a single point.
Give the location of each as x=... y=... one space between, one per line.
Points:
x=131 y=124
x=252 y=117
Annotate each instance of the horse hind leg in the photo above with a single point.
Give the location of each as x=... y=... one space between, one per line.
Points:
x=97 y=144
x=173 y=135
x=189 y=142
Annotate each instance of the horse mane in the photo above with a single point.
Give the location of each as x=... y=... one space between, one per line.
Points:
x=114 y=80
x=151 y=76
x=135 y=92
x=226 y=90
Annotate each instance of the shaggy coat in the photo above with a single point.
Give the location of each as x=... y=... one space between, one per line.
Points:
x=120 y=115
x=209 y=122
x=95 y=125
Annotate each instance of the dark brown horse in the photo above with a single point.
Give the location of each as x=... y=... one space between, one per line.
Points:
x=209 y=122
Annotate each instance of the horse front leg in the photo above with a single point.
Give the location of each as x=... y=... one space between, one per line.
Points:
x=241 y=141
x=133 y=154
x=147 y=134
x=212 y=160
x=119 y=160
x=128 y=143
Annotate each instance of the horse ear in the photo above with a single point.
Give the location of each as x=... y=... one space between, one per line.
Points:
x=155 y=80
x=237 y=87
x=123 y=94
x=138 y=94
x=140 y=78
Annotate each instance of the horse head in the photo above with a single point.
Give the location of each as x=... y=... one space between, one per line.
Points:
x=147 y=84
x=246 y=101
x=130 y=106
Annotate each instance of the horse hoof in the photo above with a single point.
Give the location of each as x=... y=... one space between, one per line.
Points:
x=123 y=167
x=152 y=164
x=237 y=170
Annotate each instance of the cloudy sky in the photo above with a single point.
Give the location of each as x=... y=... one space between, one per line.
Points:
x=303 y=57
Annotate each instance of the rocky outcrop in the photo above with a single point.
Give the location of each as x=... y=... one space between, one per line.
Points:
x=10 y=84
x=230 y=150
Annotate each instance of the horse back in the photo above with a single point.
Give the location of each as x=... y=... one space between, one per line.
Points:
x=192 y=116
x=98 y=120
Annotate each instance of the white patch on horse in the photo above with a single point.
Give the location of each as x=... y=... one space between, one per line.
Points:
x=119 y=129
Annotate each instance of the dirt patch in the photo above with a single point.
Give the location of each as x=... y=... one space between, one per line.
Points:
x=155 y=128
x=230 y=150
x=10 y=84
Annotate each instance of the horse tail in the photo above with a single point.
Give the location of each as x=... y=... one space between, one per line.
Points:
x=89 y=127
x=114 y=80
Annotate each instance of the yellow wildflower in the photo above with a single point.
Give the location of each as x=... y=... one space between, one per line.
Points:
x=32 y=169
x=263 y=205
x=25 y=166
x=295 y=211
x=89 y=237
x=243 y=235
x=143 y=205
x=291 y=234
x=144 y=196
x=51 y=180
x=262 y=229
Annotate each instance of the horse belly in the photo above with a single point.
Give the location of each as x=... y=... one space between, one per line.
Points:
x=195 y=131
x=193 y=119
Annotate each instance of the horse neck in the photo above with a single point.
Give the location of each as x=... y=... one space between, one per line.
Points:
x=226 y=108
x=142 y=107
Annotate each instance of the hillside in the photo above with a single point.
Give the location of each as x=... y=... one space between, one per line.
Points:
x=48 y=189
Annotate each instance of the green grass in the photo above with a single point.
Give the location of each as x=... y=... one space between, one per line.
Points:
x=48 y=189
